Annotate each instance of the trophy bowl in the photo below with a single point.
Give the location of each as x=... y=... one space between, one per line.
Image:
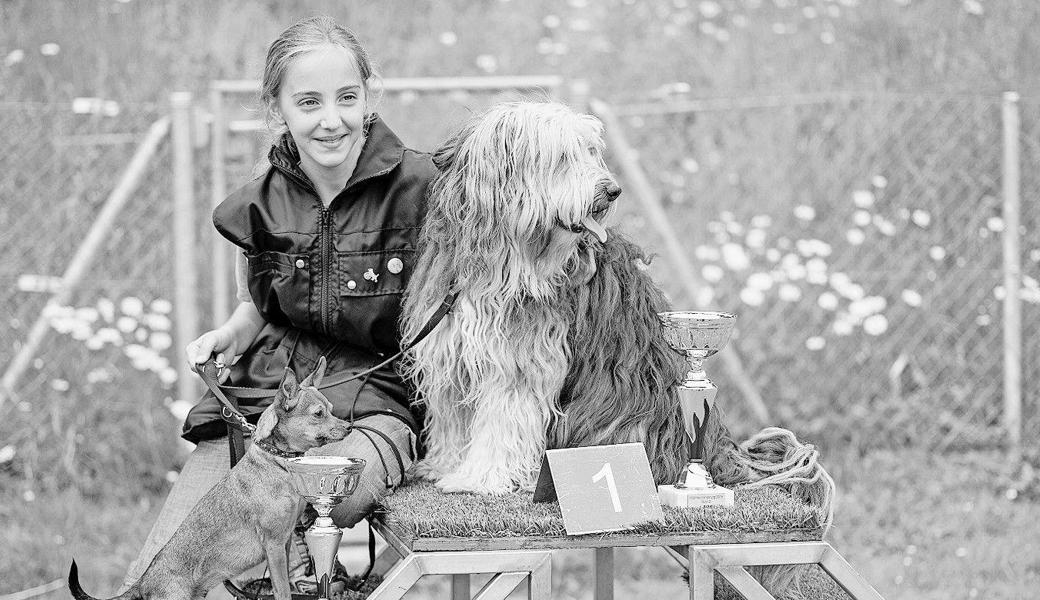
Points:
x=316 y=477
x=698 y=334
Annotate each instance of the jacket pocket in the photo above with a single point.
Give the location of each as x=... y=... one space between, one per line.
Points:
x=370 y=287
x=264 y=262
x=374 y=273
x=279 y=285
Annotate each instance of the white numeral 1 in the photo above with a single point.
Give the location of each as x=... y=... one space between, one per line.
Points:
x=609 y=474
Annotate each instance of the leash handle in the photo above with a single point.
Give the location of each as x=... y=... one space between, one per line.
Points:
x=228 y=409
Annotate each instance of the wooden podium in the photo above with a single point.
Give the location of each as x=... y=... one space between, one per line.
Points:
x=421 y=525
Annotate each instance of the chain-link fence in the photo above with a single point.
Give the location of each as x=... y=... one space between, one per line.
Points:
x=857 y=237
x=93 y=386
x=859 y=240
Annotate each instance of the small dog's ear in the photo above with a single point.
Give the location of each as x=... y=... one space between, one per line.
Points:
x=268 y=419
x=318 y=373
x=288 y=390
x=314 y=378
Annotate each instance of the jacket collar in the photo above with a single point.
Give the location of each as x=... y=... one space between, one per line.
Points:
x=382 y=152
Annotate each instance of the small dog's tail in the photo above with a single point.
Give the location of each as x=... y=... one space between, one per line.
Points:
x=79 y=594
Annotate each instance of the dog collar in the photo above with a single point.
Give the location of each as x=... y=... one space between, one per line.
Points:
x=270 y=449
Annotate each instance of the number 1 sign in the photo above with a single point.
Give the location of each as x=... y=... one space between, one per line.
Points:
x=600 y=488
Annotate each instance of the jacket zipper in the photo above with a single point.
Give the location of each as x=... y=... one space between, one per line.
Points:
x=325 y=231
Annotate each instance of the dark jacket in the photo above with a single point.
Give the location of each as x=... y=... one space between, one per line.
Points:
x=329 y=281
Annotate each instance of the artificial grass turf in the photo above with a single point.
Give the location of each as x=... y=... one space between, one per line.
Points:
x=421 y=511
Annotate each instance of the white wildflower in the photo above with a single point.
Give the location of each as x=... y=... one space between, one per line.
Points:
x=734 y=257
x=842 y=327
x=705 y=253
x=827 y=301
x=14 y=57
x=815 y=343
x=863 y=198
x=712 y=273
x=789 y=292
x=921 y=218
x=160 y=340
x=752 y=297
x=911 y=298
x=756 y=238
x=875 y=324
x=804 y=212
x=131 y=306
x=759 y=281
x=855 y=237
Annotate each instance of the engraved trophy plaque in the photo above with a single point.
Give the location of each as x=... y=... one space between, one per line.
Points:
x=698 y=335
x=324 y=481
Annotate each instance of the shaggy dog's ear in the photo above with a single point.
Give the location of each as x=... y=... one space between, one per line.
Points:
x=288 y=390
x=265 y=426
x=314 y=379
x=445 y=156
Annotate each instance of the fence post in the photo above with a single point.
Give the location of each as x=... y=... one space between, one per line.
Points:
x=1011 y=181
x=221 y=253
x=184 y=270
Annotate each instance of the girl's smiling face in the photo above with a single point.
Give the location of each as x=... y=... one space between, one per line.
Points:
x=322 y=100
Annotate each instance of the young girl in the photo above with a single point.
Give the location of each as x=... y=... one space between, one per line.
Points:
x=327 y=236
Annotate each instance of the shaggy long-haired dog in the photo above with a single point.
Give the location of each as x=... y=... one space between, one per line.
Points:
x=554 y=339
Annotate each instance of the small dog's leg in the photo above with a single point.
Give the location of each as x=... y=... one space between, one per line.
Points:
x=278 y=565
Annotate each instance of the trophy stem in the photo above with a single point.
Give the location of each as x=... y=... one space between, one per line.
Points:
x=323 y=538
x=695 y=377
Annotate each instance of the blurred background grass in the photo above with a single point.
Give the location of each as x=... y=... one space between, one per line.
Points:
x=905 y=90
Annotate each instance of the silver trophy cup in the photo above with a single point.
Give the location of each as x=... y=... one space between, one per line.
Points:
x=324 y=481
x=698 y=335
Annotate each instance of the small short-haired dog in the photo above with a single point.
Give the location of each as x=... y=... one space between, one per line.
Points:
x=249 y=515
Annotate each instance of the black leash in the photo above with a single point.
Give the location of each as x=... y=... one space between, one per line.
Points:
x=230 y=412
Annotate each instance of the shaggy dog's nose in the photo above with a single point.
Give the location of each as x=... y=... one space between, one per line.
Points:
x=613 y=191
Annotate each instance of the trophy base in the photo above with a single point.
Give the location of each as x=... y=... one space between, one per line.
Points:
x=695 y=497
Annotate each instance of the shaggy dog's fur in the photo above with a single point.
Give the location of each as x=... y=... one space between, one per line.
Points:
x=554 y=339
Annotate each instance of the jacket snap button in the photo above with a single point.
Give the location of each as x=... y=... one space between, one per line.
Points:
x=394 y=265
x=299 y=263
x=351 y=284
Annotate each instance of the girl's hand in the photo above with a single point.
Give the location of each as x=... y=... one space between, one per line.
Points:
x=220 y=341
